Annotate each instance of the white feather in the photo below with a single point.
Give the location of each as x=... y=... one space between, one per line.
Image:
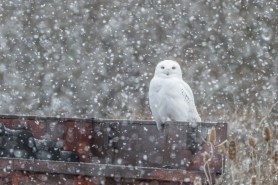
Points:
x=170 y=98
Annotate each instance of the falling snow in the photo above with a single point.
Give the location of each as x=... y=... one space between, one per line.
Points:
x=96 y=58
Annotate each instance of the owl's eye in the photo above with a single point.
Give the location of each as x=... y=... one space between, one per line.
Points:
x=173 y=67
x=162 y=67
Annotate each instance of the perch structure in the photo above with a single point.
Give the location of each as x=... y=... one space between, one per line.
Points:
x=50 y=150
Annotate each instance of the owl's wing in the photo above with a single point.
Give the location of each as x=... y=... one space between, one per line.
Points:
x=188 y=97
x=187 y=92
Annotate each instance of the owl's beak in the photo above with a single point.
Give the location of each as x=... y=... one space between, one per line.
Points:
x=166 y=72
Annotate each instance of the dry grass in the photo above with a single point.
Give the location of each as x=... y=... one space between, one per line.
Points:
x=251 y=152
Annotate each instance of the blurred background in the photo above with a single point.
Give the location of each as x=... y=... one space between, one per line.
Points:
x=96 y=58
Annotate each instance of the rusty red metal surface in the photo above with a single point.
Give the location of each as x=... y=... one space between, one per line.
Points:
x=114 y=151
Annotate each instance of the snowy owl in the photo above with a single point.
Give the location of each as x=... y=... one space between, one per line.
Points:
x=170 y=98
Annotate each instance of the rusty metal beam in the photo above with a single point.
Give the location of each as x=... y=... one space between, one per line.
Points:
x=10 y=165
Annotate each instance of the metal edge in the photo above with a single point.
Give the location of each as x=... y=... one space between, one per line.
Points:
x=100 y=120
x=91 y=169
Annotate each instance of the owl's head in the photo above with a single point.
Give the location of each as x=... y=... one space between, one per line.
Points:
x=168 y=69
